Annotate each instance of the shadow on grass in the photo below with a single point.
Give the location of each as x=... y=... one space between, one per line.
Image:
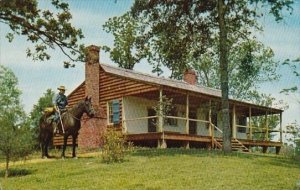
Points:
x=153 y=152
x=283 y=162
x=17 y=172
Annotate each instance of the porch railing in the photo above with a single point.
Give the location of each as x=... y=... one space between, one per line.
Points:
x=126 y=122
x=255 y=130
x=211 y=131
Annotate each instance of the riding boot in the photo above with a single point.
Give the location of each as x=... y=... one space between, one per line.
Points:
x=55 y=128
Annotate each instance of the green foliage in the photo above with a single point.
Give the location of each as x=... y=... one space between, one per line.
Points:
x=114 y=148
x=178 y=33
x=250 y=64
x=294 y=66
x=127 y=51
x=287 y=151
x=297 y=148
x=37 y=111
x=16 y=139
x=294 y=130
x=44 y=28
x=260 y=121
x=163 y=108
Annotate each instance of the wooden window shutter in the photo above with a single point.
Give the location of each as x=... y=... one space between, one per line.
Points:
x=116 y=111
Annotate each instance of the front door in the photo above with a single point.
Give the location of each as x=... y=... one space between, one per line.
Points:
x=151 y=121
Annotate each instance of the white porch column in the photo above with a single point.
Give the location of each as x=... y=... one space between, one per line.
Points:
x=187 y=124
x=211 y=128
x=250 y=124
x=209 y=119
x=267 y=126
x=160 y=114
x=280 y=127
x=124 y=124
x=161 y=143
x=234 y=129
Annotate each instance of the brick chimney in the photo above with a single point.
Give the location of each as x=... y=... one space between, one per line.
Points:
x=92 y=74
x=92 y=128
x=190 y=76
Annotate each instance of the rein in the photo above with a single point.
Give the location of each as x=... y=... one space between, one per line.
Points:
x=76 y=107
x=74 y=116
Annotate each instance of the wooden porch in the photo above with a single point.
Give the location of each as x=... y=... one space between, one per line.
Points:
x=202 y=132
x=174 y=139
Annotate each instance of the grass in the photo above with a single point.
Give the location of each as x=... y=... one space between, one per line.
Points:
x=154 y=169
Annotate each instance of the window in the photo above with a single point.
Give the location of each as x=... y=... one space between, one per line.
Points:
x=242 y=120
x=110 y=113
x=113 y=112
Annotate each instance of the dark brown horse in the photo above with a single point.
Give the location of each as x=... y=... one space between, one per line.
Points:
x=71 y=123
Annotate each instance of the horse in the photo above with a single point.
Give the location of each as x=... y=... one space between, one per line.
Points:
x=71 y=124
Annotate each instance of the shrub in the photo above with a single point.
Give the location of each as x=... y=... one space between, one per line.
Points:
x=287 y=151
x=115 y=146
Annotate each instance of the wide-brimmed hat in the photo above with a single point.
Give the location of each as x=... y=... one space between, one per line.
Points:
x=62 y=88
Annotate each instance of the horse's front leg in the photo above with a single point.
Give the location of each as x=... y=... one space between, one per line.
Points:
x=43 y=148
x=74 y=144
x=64 y=146
x=46 y=148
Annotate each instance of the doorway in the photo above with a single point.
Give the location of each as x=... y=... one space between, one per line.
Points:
x=193 y=124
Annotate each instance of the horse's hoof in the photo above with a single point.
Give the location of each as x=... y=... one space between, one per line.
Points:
x=63 y=158
x=45 y=157
x=75 y=158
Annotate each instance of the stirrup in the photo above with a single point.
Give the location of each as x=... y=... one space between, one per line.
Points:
x=56 y=131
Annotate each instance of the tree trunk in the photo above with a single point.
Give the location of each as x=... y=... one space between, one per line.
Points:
x=224 y=77
x=6 y=167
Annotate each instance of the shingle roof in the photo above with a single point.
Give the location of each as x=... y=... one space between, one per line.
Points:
x=160 y=80
x=173 y=83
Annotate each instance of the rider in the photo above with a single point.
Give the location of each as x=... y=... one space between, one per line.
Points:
x=60 y=102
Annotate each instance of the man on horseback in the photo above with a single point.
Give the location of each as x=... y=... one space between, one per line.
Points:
x=60 y=102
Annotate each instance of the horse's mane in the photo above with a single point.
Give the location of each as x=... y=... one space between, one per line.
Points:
x=75 y=107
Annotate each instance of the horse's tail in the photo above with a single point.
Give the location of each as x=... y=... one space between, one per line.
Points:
x=40 y=129
x=42 y=125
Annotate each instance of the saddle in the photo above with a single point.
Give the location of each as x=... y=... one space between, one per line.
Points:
x=49 y=111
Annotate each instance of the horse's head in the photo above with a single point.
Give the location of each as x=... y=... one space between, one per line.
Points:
x=88 y=108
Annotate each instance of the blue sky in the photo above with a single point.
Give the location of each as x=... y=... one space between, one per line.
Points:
x=36 y=77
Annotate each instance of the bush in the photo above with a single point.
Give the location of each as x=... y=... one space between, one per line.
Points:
x=115 y=146
x=287 y=151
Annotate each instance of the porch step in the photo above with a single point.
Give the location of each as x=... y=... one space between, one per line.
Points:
x=235 y=144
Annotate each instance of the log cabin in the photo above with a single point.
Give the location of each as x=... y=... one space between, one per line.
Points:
x=126 y=99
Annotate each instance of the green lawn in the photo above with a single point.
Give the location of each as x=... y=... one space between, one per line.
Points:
x=157 y=169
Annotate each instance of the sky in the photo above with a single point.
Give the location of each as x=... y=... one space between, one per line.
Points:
x=36 y=77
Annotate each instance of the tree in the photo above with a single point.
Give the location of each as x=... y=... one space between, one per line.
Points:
x=15 y=134
x=293 y=130
x=273 y=120
x=126 y=52
x=44 y=28
x=178 y=32
x=37 y=111
x=294 y=67
x=247 y=69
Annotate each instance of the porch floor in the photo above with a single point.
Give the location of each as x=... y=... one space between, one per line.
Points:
x=174 y=139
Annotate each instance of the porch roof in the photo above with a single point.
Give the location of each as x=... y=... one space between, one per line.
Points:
x=181 y=85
